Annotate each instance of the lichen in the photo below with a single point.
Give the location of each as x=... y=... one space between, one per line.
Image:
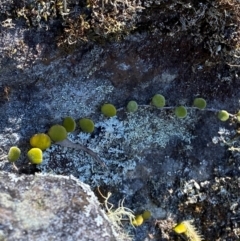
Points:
x=119 y=144
x=118 y=214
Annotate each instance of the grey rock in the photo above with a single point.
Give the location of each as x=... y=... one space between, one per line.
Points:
x=50 y=207
x=154 y=161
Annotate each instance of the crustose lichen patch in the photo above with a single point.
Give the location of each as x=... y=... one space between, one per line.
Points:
x=119 y=143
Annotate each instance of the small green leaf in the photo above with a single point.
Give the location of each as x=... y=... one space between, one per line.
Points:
x=181 y=112
x=14 y=153
x=223 y=115
x=158 y=100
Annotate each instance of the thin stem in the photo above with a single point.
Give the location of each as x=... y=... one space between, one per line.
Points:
x=64 y=6
x=173 y=107
x=68 y=143
x=15 y=167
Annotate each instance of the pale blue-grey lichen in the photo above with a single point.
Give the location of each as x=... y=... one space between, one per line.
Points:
x=119 y=143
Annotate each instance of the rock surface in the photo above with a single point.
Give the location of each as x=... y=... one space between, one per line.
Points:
x=177 y=168
x=50 y=207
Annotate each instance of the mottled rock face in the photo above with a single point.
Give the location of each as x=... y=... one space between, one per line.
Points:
x=153 y=160
x=47 y=207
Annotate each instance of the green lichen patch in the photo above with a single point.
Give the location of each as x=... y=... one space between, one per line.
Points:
x=119 y=143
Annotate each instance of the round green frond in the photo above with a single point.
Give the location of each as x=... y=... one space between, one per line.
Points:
x=69 y=124
x=223 y=115
x=132 y=106
x=41 y=141
x=180 y=228
x=14 y=153
x=181 y=112
x=86 y=125
x=158 y=100
x=138 y=220
x=108 y=110
x=57 y=133
x=200 y=103
x=35 y=155
x=146 y=214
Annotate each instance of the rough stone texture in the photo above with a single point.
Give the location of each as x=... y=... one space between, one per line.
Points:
x=177 y=169
x=50 y=207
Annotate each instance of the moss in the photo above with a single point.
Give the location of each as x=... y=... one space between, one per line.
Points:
x=132 y=106
x=57 y=133
x=108 y=110
x=146 y=214
x=180 y=112
x=200 y=103
x=86 y=125
x=69 y=124
x=158 y=100
x=35 y=155
x=41 y=141
x=138 y=220
x=223 y=115
x=14 y=153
